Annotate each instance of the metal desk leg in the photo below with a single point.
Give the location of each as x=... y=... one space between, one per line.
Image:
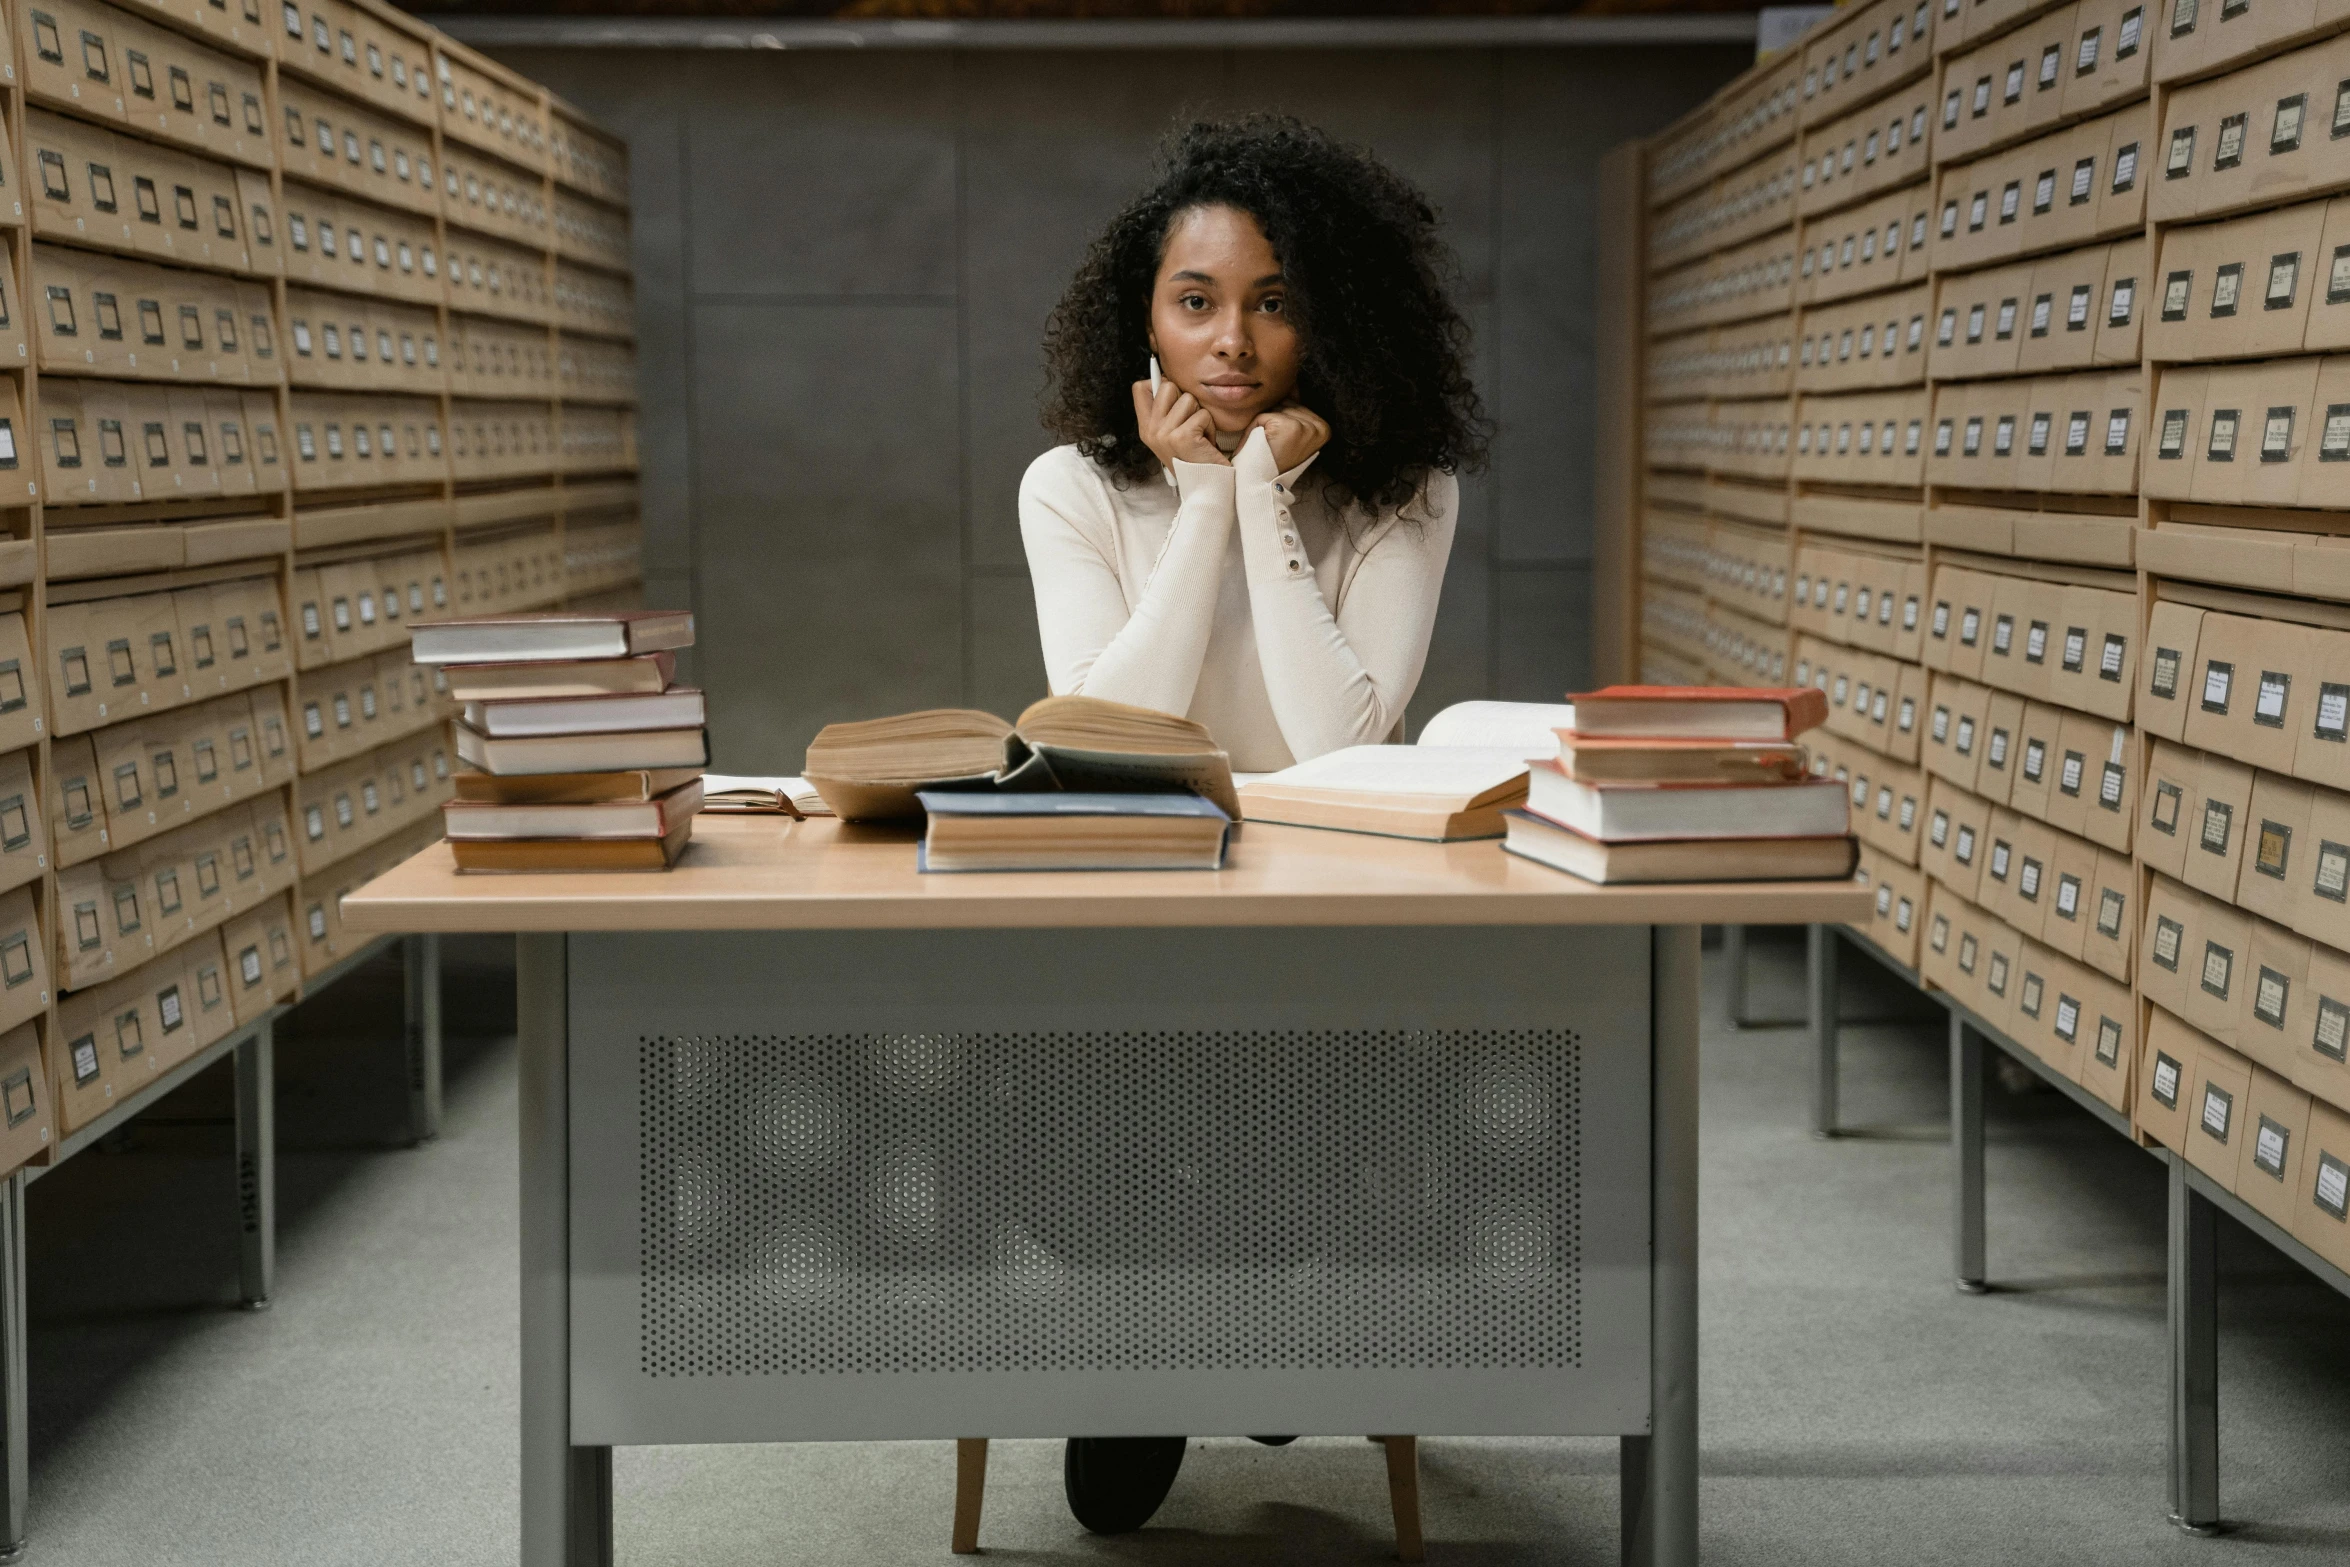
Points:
x=1660 y=1470
x=2194 y=1356
x=420 y=958
x=1633 y=1457
x=15 y=1421
x=1825 y=951
x=566 y=1490
x=1966 y=1147
x=1734 y=959
x=257 y=1166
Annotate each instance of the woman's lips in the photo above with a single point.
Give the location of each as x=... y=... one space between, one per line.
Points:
x=1231 y=392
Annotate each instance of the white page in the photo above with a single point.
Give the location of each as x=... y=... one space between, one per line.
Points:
x=1407 y=769
x=1528 y=728
x=794 y=788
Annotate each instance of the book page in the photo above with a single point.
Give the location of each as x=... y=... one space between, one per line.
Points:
x=910 y=748
x=1465 y=771
x=857 y=800
x=1088 y=723
x=1525 y=727
x=795 y=789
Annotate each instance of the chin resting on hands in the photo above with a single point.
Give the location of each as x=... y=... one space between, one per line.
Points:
x=1173 y=425
x=1294 y=432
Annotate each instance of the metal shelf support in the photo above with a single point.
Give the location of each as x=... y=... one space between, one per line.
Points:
x=1825 y=953
x=2194 y=1355
x=1734 y=958
x=256 y=1072
x=256 y=1184
x=420 y=959
x=15 y=1409
x=1966 y=1151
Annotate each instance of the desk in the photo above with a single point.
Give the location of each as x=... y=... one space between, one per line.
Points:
x=1356 y=1135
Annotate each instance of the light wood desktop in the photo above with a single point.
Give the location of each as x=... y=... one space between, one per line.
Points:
x=681 y=1031
x=766 y=873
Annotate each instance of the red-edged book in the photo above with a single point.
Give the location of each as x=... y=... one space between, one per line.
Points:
x=1597 y=760
x=1699 y=712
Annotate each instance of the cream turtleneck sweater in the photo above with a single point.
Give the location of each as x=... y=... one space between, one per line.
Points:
x=1236 y=598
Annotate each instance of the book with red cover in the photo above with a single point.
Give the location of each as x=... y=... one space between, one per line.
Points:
x=654 y=818
x=1699 y=712
x=1600 y=759
x=566 y=677
x=633 y=785
x=523 y=856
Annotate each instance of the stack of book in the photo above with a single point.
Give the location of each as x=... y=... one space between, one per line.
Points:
x=584 y=754
x=1686 y=783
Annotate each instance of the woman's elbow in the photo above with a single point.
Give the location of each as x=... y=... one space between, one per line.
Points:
x=1114 y=679
x=1072 y=678
x=1378 y=725
x=1368 y=718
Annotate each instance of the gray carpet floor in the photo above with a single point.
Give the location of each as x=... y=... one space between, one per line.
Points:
x=1856 y=1409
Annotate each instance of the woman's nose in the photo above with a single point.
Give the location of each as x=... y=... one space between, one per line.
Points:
x=1232 y=337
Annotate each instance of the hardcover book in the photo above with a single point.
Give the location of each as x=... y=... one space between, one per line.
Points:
x=1072 y=832
x=874 y=770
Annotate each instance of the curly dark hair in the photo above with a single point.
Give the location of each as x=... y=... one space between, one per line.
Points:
x=1384 y=350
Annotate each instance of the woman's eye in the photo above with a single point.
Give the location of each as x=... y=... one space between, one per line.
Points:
x=1272 y=307
x=1194 y=302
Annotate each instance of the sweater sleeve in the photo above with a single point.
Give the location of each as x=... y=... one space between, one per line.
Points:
x=1148 y=654
x=1343 y=679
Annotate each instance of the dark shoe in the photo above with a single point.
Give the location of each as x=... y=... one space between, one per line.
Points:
x=1115 y=1483
x=1274 y=1441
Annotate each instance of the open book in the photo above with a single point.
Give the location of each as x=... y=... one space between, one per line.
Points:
x=1399 y=791
x=739 y=794
x=1529 y=728
x=871 y=770
x=1469 y=767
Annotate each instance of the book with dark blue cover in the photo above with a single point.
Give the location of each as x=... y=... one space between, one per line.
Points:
x=1054 y=831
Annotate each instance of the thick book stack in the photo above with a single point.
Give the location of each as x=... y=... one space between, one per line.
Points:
x=1686 y=783
x=584 y=754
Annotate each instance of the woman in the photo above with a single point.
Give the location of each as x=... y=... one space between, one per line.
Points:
x=1258 y=540
x=1262 y=383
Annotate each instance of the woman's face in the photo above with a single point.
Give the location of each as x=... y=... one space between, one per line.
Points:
x=1219 y=317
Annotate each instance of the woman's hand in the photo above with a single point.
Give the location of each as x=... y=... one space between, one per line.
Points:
x=1174 y=426
x=1294 y=432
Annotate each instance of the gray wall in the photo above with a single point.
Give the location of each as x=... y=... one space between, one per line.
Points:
x=844 y=262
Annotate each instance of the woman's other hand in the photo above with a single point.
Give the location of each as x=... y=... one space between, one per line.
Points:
x=1294 y=431
x=1174 y=426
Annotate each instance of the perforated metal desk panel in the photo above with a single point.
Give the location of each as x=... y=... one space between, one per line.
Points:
x=1034 y=1183
x=1356 y=1135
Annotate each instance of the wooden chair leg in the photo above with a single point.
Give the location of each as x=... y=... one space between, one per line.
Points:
x=1403 y=1494
x=970 y=1491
